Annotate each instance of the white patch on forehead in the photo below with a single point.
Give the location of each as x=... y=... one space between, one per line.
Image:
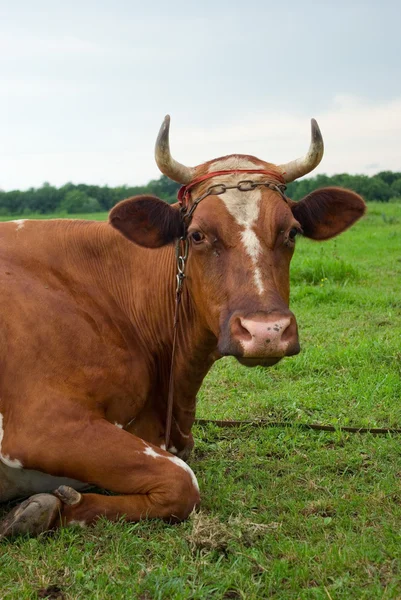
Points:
x=258 y=280
x=233 y=162
x=173 y=450
x=163 y=446
x=20 y=223
x=251 y=243
x=13 y=463
x=245 y=208
x=177 y=461
x=118 y=425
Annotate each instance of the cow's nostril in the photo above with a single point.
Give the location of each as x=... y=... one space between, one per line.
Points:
x=289 y=332
x=239 y=331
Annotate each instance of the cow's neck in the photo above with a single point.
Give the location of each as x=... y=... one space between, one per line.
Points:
x=143 y=286
x=149 y=296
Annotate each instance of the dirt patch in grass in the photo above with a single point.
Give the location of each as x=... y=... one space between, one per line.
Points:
x=210 y=533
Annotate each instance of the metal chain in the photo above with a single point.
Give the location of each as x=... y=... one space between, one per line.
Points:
x=243 y=186
x=217 y=189
x=181 y=253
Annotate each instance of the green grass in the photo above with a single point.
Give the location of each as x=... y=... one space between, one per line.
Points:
x=286 y=513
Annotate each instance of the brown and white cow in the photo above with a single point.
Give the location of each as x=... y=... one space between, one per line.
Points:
x=86 y=329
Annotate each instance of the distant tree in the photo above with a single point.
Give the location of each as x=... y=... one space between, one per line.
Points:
x=13 y=202
x=396 y=188
x=389 y=176
x=378 y=190
x=83 y=198
x=45 y=199
x=76 y=201
x=164 y=188
x=371 y=188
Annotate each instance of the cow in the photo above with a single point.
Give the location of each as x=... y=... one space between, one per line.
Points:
x=87 y=327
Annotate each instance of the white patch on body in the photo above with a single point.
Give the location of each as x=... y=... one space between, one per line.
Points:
x=79 y=523
x=13 y=463
x=20 y=223
x=186 y=468
x=150 y=452
x=180 y=463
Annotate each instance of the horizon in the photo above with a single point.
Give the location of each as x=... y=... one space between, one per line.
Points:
x=309 y=176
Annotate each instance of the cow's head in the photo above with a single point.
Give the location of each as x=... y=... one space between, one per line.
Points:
x=241 y=243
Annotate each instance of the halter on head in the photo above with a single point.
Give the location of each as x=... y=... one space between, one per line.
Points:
x=183 y=193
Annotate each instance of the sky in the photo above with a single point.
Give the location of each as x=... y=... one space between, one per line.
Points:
x=85 y=85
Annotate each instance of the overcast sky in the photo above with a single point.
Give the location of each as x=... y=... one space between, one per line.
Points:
x=84 y=85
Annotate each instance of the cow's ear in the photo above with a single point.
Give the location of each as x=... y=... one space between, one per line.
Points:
x=147 y=221
x=328 y=212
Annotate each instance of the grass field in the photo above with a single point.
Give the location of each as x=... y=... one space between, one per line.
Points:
x=286 y=513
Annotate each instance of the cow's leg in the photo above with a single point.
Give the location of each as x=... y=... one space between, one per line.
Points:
x=35 y=515
x=153 y=483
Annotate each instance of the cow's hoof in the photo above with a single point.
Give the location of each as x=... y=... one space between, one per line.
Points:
x=35 y=515
x=68 y=495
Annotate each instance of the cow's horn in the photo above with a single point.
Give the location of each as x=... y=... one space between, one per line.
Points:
x=301 y=166
x=166 y=163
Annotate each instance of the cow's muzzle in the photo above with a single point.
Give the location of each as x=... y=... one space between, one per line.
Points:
x=260 y=339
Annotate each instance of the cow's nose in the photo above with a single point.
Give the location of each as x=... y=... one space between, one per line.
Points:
x=275 y=335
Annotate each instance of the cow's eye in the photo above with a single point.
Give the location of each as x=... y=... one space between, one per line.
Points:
x=293 y=233
x=197 y=237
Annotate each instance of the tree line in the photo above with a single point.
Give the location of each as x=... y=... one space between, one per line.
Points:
x=82 y=198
